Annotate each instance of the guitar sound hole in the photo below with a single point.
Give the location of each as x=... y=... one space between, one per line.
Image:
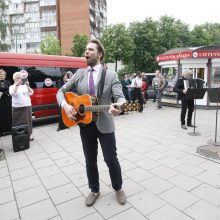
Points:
x=81 y=109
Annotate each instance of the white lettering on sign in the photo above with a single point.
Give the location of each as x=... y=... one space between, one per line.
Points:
x=175 y=56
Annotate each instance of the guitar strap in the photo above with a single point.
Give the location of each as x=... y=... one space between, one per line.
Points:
x=101 y=84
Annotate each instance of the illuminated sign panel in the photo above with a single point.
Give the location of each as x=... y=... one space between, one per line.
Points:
x=189 y=55
x=174 y=56
x=206 y=54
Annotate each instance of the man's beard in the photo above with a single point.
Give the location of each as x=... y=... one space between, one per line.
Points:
x=91 y=62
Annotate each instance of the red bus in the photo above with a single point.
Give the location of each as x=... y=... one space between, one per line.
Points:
x=44 y=73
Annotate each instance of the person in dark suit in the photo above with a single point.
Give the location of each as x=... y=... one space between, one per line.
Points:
x=186 y=103
x=5 y=104
x=86 y=81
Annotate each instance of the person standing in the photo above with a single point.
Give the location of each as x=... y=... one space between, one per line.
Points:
x=125 y=85
x=21 y=101
x=158 y=84
x=144 y=87
x=64 y=79
x=186 y=103
x=86 y=81
x=136 y=84
x=5 y=104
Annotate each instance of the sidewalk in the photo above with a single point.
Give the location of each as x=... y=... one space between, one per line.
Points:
x=164 y=177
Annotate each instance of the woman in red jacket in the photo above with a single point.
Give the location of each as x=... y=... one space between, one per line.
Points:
x=144 y=88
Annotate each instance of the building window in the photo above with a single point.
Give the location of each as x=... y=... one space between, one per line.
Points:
x=215 y=77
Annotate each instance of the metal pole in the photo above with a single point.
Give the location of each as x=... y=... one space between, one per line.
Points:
x=194 y=116
x=216 y=123
x=18 y=31
x=16 y=43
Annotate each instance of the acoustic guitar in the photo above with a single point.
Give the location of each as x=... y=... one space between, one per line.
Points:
x=87 y=108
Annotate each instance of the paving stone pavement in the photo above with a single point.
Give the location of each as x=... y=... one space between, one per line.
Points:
x=164 y=178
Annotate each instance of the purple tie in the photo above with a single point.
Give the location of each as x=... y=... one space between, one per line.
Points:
x=91 y=83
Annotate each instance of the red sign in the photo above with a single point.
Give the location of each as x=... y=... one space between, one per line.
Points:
x=206 y=54
x=48 y=82
x=174 y=56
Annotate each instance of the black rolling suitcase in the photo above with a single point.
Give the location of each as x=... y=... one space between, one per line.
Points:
x=20 y=137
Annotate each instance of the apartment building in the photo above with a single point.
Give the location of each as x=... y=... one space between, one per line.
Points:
x=30 y=21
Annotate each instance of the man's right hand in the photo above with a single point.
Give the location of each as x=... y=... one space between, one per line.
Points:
x=184 y=91
x=70 y=111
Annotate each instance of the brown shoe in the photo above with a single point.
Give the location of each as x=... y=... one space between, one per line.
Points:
x=121 y=197
x=183 y=127
x=91 y=198
x=31 y=138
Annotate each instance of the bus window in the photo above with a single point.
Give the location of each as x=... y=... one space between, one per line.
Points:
x=44 y=73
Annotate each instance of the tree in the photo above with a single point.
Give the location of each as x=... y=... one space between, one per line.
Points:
x=50 y=45
x=145 y=37
x=79 y=45
x=173 y=33
x=118 y=44
x=206 y=34
x=3 y=27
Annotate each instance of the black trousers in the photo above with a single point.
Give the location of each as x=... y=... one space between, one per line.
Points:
x=137 y=95
x=187 y=103
x=90 y=136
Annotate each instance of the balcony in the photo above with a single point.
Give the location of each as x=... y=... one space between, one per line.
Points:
x=46 y=3
x=16 y=11
x=51 y=23
x=26 y=1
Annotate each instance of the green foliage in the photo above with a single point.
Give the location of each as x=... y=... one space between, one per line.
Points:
x=118 y=44
x=173 y=33
x=79 y=45
x=3 y=27
x=139 y=44
x=50 y=46
x=206 y=34
x=125 y=70
x=145 y=36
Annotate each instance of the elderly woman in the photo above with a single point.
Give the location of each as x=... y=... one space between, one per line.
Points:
x=21 y=102
x=5 y=104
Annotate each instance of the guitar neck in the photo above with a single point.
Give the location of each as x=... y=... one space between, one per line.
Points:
x=96 y=108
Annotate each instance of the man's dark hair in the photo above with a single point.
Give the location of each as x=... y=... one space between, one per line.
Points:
x=138 y=73
x=62 y=75
x=99 y=47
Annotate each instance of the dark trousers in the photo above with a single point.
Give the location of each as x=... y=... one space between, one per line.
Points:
x=137 y=95
x=90 y=136
x=61 y=124
x=187 y=103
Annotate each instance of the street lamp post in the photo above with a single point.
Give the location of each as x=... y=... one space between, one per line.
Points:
x=16 y=33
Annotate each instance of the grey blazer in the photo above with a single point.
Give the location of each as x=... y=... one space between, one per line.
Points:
x=112 y=87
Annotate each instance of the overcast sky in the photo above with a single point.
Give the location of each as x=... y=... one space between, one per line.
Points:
x=188 y=11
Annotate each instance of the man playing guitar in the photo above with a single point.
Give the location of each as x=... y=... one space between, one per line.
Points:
x=87 y=81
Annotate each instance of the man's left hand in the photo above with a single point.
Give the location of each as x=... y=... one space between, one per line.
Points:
x=114 y=109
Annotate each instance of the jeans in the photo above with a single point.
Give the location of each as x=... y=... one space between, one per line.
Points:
x=159 y=94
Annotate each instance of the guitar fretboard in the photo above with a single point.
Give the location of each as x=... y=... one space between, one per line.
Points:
x=96 y=108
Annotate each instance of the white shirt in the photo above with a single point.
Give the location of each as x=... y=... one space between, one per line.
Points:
x=96 y=70
x=137 y=81
x=21 y=98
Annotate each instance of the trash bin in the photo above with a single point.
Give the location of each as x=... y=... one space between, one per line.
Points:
x=20 y=137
